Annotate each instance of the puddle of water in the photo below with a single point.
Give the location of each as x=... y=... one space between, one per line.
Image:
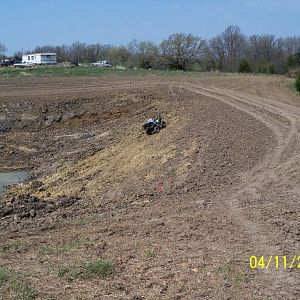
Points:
x=11 y=177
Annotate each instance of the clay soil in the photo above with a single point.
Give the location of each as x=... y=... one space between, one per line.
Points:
x=178 y=213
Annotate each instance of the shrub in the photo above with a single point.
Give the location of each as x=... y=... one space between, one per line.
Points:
x=70 y=273
x=271 y=69
x=17 y=283
x=93 y=269
x=244 y=67
x=99 y=268
x=266 y=68
x=23 y=290
x=62 y=271
x=3 y=275
x=149 y=253
x=297 y=83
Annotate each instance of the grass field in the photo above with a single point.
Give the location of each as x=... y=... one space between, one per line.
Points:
x=84 y=71
x=88 y=71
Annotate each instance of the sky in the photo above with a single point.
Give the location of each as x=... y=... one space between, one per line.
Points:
x=26 y=24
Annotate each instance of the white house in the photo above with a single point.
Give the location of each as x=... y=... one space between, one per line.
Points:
x=39 y=58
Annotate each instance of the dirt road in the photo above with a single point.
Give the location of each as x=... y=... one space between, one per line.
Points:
x=179 y=213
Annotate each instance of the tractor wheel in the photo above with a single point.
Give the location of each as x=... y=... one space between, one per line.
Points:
x=148 y=131
x=163 y=124
x=155 y=129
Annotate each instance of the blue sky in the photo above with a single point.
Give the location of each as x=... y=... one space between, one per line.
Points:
x=29 y=23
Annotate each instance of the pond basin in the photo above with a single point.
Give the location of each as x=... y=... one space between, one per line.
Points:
x=11 y=177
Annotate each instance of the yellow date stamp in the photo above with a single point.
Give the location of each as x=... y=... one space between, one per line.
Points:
x=274 y=262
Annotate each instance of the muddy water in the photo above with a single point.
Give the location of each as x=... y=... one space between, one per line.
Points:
x=11 y=177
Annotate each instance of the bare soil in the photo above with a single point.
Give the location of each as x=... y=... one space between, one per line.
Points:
x=178 y=213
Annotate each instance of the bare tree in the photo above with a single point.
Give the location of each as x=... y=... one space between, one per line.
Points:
x=2 y=50
x=63 y=53
x=228 y=48
x=266 y=53
x=291 y=45
x=118 y=55
x=145 y=54
x=216 y=48
x=262 y=47
x=180 y=51
x=92 y=52
x=234 y=42
x=18 y=56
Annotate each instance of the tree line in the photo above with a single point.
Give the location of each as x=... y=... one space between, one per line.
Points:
x=230 y=51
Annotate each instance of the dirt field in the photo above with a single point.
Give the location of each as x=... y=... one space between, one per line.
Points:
x=177 y=214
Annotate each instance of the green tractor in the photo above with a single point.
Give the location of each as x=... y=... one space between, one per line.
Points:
x=154 y=125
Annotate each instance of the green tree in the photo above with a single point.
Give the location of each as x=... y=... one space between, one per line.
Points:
x=181 y=50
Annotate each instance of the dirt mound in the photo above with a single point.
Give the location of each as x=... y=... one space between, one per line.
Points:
x=26 y=207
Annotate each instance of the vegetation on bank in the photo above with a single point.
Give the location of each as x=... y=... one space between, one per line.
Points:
x=93 y=269
x=17 y=284
x=88 y=71
x=85 y=71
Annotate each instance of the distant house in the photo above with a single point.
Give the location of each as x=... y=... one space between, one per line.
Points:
x=39 y=58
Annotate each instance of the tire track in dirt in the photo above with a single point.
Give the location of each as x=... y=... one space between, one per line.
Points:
x=44 y=89
x=275 y=165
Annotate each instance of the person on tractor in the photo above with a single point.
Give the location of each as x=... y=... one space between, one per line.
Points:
x=154 y=124
x=157 y=120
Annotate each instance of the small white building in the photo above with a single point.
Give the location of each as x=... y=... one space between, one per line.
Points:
x=39 y=58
